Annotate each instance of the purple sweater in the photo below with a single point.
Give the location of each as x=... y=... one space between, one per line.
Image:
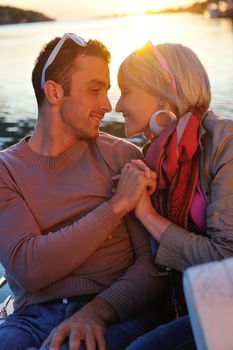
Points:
x=55 y=226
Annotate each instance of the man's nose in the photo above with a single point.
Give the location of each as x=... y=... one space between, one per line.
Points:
x=107 y=105
x=118 y=106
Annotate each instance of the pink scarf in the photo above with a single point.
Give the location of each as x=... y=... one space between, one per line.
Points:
x=174 y=155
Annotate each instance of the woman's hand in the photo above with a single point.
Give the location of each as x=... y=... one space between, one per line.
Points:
x=144 y=206
x=148 y=173
x=145 y=212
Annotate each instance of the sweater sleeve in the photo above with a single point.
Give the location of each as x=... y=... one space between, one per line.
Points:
x=26 y=253
x=141 y=283
x=179 y=248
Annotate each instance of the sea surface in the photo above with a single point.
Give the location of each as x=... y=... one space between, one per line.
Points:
x=211 y=39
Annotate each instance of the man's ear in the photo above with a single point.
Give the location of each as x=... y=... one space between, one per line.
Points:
x=53 y=92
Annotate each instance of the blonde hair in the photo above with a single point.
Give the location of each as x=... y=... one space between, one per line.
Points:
x=142 y=69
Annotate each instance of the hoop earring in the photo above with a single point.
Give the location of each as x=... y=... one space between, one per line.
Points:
x=158 y=124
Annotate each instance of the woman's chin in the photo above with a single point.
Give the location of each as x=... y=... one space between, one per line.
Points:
x=129 y=132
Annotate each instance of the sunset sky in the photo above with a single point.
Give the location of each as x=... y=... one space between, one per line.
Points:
x=71 y=9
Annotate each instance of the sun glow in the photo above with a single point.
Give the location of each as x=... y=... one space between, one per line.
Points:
x=137 y=6
x=140 y=6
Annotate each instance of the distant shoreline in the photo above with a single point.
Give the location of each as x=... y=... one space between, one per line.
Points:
x=14 y=15
x=198 y=8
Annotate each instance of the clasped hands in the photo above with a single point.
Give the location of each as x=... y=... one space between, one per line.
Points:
x=135 y=185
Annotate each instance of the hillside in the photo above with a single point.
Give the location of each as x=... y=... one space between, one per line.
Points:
x=12 y=15
x=197 y=7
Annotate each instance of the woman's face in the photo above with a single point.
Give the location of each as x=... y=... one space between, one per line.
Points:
x=137 y=106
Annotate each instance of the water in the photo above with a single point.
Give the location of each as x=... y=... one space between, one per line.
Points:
x=211 y=39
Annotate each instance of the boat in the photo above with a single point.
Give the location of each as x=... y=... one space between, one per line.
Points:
x=221 y=9
x=6 y=307
x=212 y=11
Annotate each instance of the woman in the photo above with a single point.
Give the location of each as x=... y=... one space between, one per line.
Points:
x=165 y=93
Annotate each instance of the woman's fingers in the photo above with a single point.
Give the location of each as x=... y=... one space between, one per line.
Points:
x=151 y=186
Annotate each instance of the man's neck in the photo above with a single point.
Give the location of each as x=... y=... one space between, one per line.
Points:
x=48 y=139
x=47 y=146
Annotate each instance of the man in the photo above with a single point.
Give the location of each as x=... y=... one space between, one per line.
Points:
x=64 y=242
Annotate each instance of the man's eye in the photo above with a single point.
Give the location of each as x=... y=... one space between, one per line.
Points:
x=95 y=91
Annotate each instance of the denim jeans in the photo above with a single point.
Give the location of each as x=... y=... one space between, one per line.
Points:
x=30 y=326
x=175 y=335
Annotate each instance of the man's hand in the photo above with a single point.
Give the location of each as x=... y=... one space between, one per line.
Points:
x=88 y=325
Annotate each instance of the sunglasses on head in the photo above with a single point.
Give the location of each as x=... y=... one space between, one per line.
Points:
x=77 y=39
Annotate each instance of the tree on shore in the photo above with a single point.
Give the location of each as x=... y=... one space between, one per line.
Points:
x=11 y=15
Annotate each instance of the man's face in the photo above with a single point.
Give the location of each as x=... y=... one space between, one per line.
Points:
x=84 y=108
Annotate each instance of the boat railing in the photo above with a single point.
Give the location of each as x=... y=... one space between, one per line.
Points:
x=6 y=307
